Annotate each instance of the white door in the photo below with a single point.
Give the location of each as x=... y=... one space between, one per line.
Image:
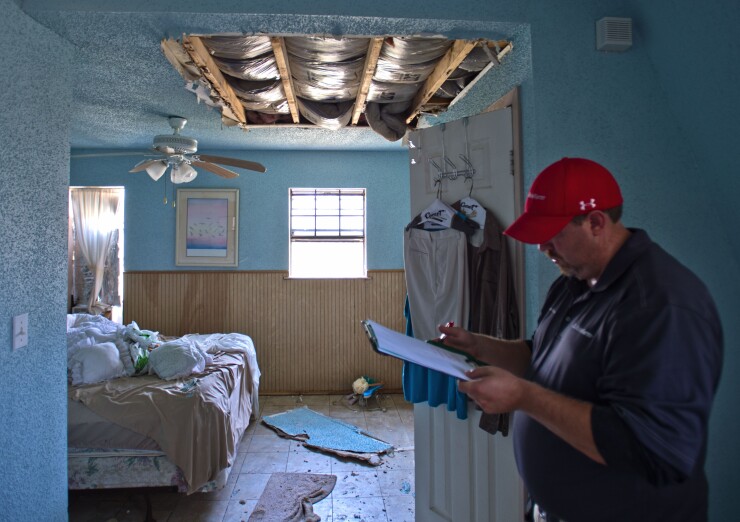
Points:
x=464 y=474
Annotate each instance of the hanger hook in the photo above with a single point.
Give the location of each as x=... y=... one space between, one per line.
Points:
x=470 y=192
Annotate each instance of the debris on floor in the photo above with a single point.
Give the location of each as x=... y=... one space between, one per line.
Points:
x=363 y=389
x=328 y=434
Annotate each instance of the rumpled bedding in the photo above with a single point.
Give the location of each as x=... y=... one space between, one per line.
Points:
x=95 y=363
x=193 y=395
x=90 y=339
x=191 y=353
x=99 y=350
x=197 y=421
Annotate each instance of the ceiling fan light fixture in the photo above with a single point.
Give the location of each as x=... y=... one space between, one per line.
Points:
x=182 y=173
x=175 y=144
x=155 y=170
x=178 y=152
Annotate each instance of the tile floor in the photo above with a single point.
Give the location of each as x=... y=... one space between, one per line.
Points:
x=362 y=493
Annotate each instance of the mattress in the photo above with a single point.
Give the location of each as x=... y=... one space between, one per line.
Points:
x=140 y=426
x=87 y=429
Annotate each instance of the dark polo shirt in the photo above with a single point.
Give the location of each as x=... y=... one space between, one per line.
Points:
x=645 y=346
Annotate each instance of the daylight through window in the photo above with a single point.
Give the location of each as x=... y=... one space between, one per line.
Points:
x=327 y=233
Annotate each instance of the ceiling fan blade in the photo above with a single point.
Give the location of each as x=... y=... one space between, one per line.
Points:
x=210 y=167
x=244 y=164
x=142 y=165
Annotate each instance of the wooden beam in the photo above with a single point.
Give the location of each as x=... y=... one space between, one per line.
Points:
x=179 y=59
x=281 y=59
x=503 y=49
x=202 y=58
x=446 y=65
x=371 y=61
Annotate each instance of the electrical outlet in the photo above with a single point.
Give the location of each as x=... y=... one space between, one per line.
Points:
x=20 y=331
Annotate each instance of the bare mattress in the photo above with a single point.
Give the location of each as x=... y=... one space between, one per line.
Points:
x=187 y=429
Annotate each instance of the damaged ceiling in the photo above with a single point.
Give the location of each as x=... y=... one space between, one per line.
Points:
x=125 y=88
x=385 y=83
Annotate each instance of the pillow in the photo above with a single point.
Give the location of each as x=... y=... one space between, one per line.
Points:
x=87 y=330
x=176 y=359
x=95 y=363
x=71 y=319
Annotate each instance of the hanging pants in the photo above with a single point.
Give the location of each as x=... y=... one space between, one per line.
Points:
x=437 y=285
x=436 y=279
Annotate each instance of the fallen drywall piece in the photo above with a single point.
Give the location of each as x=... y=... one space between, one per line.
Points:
x=328 y=434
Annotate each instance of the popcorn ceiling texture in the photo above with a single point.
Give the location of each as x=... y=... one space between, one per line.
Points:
x=126 y=87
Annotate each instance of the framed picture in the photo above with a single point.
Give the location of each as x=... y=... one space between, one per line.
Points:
x=207 y=227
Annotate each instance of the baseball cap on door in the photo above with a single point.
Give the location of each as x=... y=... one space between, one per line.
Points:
x=567 y=188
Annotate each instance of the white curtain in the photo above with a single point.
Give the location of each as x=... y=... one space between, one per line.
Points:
x=94 y=211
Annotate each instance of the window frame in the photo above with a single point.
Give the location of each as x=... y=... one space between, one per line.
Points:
x=316 y=236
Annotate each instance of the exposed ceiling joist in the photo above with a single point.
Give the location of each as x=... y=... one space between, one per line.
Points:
x=446 y=65
x=315 y=81
x=202 y=58
x=367 y=76
x=179 y=59
x=496 y=53
x=278 y=48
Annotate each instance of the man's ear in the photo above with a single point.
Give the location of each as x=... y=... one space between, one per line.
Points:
x=597 y=221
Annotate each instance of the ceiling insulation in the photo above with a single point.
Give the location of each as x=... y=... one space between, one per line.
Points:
x=385 y=83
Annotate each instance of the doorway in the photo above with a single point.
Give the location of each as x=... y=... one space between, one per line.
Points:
x=96 y=223
x=463 y=473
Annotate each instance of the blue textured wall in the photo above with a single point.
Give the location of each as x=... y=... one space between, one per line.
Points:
x=662 y=116
x=699 y=214
x=149 y=240
x=33 y=276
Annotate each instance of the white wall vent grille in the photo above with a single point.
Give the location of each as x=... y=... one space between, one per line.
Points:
x=613 y=34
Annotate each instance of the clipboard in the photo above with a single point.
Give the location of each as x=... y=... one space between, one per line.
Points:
x=431 y=355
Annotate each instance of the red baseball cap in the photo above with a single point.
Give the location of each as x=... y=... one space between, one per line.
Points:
x=567 y=188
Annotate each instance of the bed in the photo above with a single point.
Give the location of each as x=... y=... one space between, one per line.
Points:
x=147 y=411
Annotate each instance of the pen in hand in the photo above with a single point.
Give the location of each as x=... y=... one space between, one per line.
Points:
x=442 y=337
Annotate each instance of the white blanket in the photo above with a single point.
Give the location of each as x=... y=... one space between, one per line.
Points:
x=92 y=339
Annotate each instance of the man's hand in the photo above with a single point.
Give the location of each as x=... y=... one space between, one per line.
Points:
x=493 y=389
x=511 y=355
x=497 y=391
x=459 y=338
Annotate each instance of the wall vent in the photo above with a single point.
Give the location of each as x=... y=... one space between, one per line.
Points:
x=613 y=34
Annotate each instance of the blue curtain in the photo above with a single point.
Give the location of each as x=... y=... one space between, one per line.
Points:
x=423 y=385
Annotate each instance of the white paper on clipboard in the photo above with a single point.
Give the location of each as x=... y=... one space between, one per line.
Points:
x=425 y=354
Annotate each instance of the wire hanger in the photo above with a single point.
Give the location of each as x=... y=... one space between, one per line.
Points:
x=469 y=205
x=453 y=174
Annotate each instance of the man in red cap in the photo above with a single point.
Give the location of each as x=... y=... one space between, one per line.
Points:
x=613 y=392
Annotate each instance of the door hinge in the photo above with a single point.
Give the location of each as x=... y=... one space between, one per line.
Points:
x=511 y=162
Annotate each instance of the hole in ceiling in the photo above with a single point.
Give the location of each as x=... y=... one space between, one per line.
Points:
x=386 y=83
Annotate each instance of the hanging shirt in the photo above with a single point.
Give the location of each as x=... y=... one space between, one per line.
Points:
x=493 y=305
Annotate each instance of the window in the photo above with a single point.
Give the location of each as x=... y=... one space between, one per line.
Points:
x=327 y=233
x=95 y=237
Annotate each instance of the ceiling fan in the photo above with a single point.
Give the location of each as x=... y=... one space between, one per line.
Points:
x=178 y=153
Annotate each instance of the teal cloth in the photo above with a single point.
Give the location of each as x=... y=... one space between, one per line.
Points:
x=423 y=385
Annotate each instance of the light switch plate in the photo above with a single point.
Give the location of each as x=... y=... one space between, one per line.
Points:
x=20 y=331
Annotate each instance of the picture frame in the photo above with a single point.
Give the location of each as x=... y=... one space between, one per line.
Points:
x=207 y=230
